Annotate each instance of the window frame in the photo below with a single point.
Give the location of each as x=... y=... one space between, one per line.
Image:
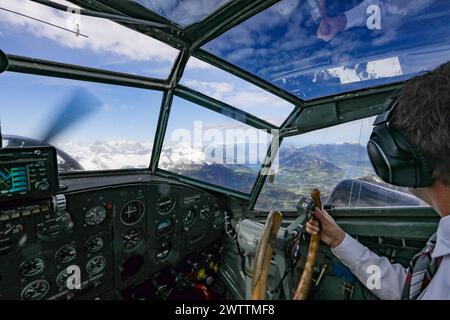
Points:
x=189 y=41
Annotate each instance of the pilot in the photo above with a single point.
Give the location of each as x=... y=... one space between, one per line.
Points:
x=409 y=146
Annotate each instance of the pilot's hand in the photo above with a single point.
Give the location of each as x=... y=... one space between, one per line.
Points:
x=329 y=27
x=330 y=233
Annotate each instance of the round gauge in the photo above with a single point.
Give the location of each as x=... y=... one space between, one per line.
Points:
x=165 y=204
x=96 y=265
x=164 y=227
x=94 y=244
x=205 y=211
x=131 y=239
x=166 y=247
x=61 y=279
x=95 y=216
x=189 y=218
x=35 y=290
x=132 y=212
x=65 y=254
x=31 y=267
x=12 y=237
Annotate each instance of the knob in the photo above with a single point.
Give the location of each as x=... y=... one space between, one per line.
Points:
x=42 y=185
x=59 y=202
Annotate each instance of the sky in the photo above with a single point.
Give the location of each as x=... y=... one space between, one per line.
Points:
x=281 y=45
x=277 y=44
x=131 y=112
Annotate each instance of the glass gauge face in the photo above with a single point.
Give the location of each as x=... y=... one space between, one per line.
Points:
x=94 y=244
x=65 y=254
x=95 y=216
x=132 y=212
x=164 y=227
x=189 y=218
x=35 y=290
x=96 y=265
x=31 y=267
x=131 y=239
x=61 y=279
x=164 y=251
x=165 y=204
x=205 y=211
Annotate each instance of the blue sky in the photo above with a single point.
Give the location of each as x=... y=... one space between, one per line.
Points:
x=283 y=32
x=281 y=46
x=127 y=113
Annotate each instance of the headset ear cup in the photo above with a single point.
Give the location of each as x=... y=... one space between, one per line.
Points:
x=424 y=168
x=396 y=160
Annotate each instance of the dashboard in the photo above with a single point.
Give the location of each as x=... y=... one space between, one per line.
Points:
x=114 y=234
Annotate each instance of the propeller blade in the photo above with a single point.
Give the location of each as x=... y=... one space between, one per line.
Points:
x=79 y=105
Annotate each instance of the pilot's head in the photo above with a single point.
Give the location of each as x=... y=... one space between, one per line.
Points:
x=410 y=144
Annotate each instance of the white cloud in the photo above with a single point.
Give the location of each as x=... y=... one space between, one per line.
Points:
x=250 y=99
x=195 y=63
x=237 y=97
x=104 y=36
x=216 y=90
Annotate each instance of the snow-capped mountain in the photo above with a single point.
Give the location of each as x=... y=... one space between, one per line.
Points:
x=134 y=154
x=109 y=155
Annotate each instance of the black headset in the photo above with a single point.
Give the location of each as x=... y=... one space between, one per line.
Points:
x=395 y=159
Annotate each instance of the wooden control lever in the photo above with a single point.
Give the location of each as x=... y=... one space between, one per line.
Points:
x=264 y=253
x=305 y=282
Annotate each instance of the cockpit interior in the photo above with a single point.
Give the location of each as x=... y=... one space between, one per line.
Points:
x=145 y=145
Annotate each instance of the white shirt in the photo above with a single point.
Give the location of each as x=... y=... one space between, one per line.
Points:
x=358 y=259
x=357 y=16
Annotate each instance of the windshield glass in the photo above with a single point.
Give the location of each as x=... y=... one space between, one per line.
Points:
x=236 y=92
x=318 y=48
x=335 y=161
x=183 y=12
x=211 y=147
x=94 y=126
x=37 y=31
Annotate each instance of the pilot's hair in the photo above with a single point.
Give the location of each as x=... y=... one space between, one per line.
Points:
x=423 y=116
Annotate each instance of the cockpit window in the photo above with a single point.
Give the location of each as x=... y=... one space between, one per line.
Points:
x=335 y=161
x=318 y=48
x=212 y=147
x=236 y=92
x=37 y=31
x=93 y=126
x=183 y=12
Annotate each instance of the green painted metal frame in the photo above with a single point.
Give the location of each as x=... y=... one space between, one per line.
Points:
x=69 y=71
x=223 y=108
x=188 y=40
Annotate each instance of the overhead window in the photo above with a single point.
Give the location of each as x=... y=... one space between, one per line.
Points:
x=236 y=92
x=314 y=50
x=183 y=12
x=37 y=31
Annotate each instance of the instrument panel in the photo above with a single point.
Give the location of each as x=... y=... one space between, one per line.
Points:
x=114 y=238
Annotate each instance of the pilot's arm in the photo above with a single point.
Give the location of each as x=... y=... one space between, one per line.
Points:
x=359 y=15
x=363 y=263
x=367 y=266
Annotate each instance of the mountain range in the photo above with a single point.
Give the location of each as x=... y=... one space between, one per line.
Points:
x=300 y=168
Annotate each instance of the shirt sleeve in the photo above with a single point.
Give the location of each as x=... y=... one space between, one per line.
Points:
x=378 y=274
x=357 y=16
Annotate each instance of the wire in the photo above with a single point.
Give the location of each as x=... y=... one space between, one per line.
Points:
x=42 y=21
